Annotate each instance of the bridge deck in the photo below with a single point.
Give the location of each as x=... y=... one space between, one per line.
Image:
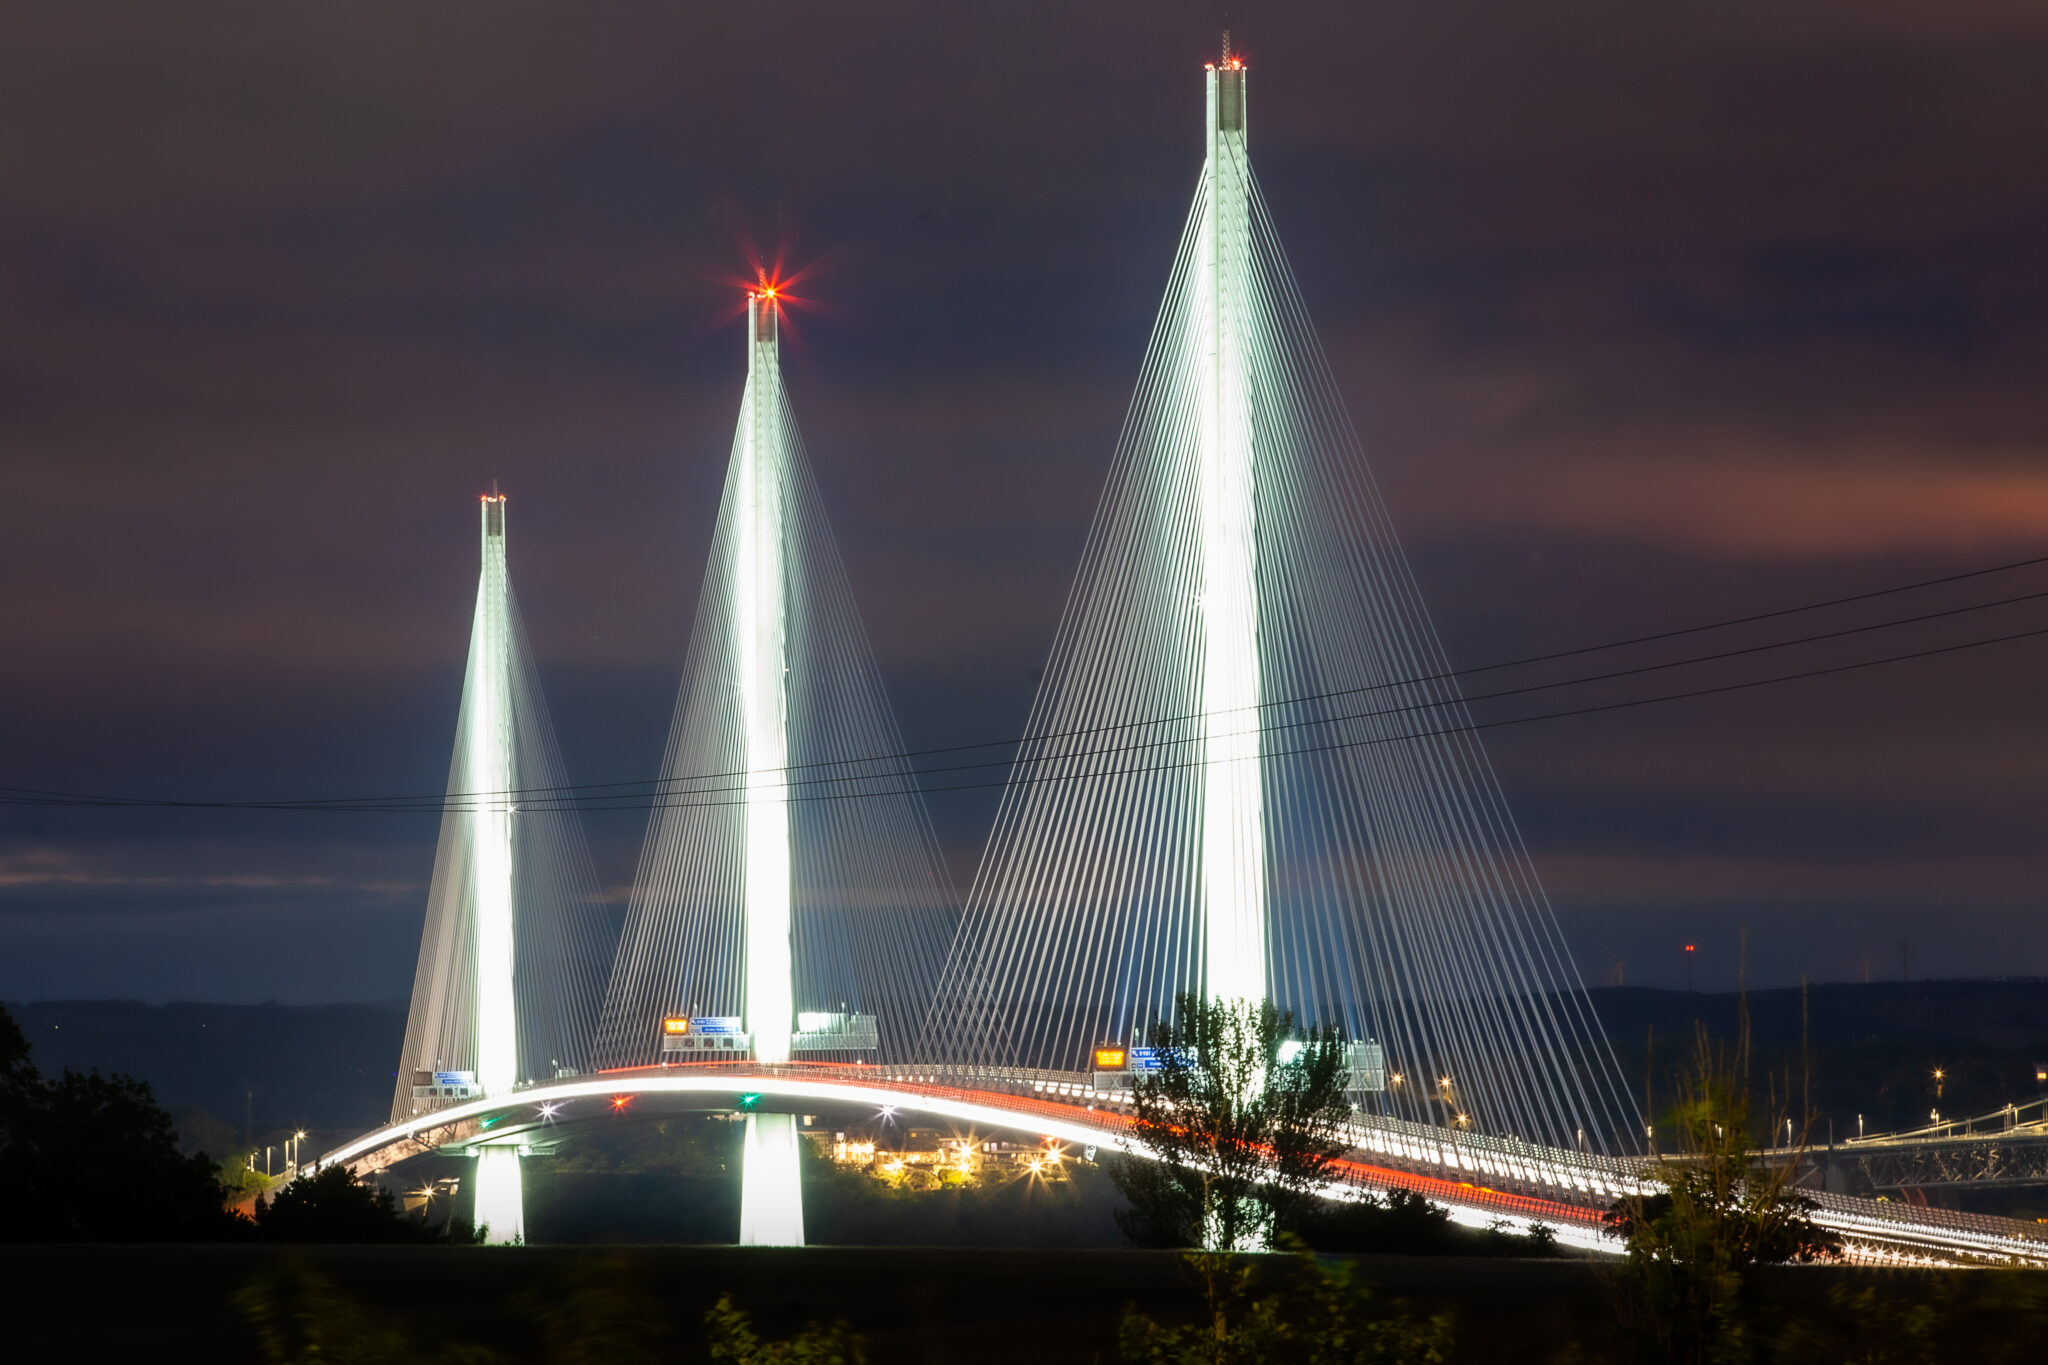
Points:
x=1479 y=1178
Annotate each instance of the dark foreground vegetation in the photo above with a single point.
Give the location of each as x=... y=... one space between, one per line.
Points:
x=1719 y=1262
x=550 y=1305
x=92 y=1158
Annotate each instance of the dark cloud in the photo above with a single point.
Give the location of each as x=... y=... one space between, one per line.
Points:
x=1647 y=316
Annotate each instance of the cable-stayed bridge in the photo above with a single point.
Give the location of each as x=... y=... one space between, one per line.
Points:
x=1248 y=774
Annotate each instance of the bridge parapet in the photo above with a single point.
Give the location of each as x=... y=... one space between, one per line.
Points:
x=1480 y=1178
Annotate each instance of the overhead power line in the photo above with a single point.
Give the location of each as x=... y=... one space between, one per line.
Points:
x=599 y=797
x=1297 y=699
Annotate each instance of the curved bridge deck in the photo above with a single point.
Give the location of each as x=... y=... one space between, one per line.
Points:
x=1478 y=1178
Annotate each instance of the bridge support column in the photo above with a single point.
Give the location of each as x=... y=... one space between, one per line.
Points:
x=771 y=1200
x=1233 y=820
x=500 y=1195
x=771 y=1193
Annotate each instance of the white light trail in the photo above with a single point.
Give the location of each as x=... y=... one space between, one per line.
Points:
x=1871 y=1221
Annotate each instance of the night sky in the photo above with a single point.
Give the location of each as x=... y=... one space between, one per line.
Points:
x=1647 y=315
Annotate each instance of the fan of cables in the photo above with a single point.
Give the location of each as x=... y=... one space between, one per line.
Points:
x=1398 y=903
x=870 y=905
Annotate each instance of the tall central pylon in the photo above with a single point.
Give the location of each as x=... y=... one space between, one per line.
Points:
x=1248 y=773
x=1233 y=835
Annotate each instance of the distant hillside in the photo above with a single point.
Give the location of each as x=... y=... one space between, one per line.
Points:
x=327 y=1067
x=1873 y=1047
x=2009 y=1013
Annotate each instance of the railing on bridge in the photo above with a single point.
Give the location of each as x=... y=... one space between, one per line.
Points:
x=1481 y=1177
x=2007 y=1121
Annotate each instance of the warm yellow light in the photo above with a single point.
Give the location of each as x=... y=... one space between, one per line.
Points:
x=675 y=1025
x=1110 y=1058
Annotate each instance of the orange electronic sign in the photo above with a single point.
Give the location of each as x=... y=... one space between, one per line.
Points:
x=676 y=1026
x=1110 y=1058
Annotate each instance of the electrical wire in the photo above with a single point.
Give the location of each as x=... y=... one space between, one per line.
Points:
x=656 y=799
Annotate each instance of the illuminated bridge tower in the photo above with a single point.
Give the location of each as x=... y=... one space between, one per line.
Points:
x=791 y=904
x=512 y=958
x=771 y=1208
x=1233 y=862
x=1248 y=773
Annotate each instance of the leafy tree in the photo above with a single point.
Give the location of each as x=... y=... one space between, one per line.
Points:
x=16 y=1070
x=1328 y=1319
x=734 y=1341
x=95 y=1158
x=20 y=1097
x=331 y=1205
x=1239 y=1138
x=1693 y=1244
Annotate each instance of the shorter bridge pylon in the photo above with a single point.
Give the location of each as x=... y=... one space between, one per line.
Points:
x=515 y=946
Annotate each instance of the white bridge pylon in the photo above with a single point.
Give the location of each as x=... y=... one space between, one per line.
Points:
x=791 y=895
x=515 y=946
x=1248 y=773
